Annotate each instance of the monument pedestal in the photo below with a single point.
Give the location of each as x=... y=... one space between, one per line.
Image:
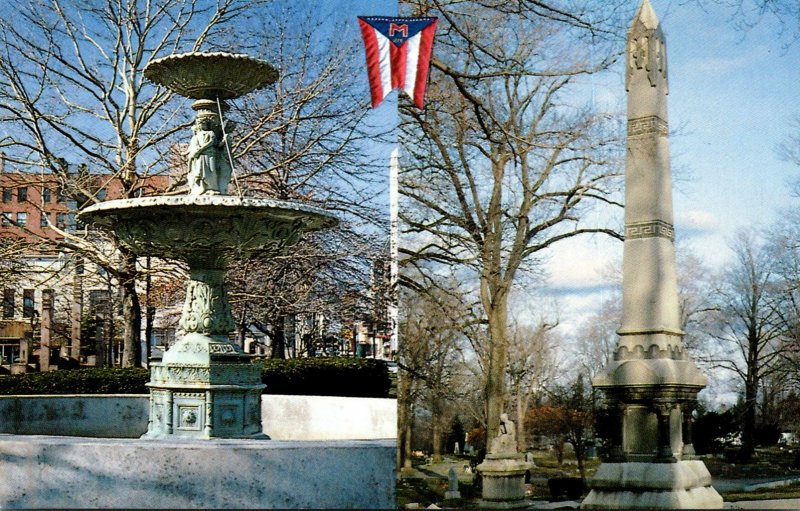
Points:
x=682 y=485
x=504 y=481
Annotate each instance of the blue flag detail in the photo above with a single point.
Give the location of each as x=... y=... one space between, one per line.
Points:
x=397 y=30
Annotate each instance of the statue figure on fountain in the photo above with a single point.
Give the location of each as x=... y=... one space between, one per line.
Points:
x=209 y=167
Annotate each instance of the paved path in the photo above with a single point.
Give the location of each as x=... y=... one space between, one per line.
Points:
x=764 y=504
x=729 y=485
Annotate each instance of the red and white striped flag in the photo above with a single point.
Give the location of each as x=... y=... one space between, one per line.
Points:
x=398 y=55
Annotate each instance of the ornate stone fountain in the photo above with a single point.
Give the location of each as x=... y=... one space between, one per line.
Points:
x=205 y=386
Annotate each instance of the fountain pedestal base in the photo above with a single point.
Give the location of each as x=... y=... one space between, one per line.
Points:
x=205 y=388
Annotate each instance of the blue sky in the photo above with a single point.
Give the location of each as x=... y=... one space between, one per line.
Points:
x=736 y=93
x=733 y=95
x=732 y=98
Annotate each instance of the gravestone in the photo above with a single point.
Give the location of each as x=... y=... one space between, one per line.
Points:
x=452 y=492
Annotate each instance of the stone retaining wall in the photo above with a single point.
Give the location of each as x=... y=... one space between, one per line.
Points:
x=125 y=416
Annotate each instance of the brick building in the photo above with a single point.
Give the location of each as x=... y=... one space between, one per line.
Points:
x=37 y=209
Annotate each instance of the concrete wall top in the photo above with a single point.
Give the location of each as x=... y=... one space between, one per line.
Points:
x=126 y=415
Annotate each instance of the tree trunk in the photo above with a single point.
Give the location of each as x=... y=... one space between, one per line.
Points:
x=579 y=446
x=76 y=308
x=749 y=418
x=100 y=340
x=131 y=313
x=559 y=447
x=409 y=437
x=405 y=419
x=149 y=317
x=522 y=407
x=149 y=320
x=436 y=435
x=495 y=388
x=278 y=340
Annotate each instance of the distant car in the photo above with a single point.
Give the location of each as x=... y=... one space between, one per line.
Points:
x=392 y=365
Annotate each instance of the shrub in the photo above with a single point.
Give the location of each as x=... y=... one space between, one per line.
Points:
x=351 y=377
x=767 y=434
x=78 y=381
x=714 y=432
x=565 y=487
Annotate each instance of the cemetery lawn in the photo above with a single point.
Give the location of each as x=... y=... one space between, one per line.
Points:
x=428 y=481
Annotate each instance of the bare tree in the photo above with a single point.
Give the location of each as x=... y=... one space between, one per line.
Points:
x=431 y=338
x=749 y=324
x=75 y=93
x=310 y=138
x=531 y=367
x=596 y=337
x=72 y=94
x=505 y=160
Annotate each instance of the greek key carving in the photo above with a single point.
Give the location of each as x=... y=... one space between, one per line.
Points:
x=652 y=125
x=652 y=229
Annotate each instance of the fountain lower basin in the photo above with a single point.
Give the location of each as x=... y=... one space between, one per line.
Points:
x=326 y=452
x=207 y=230
x=72 y=472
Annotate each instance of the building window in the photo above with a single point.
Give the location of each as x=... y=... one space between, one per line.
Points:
x=60 y=197
x=43 y=220
x=9 y=353
x=46 y=195
x=22 y=219
x=163 y=337
x=61 y=220
x=99 y=303
x=22 y=194
x=8 y=304
x=7 y=192
x=101 y=194
x=5 y=220
x=28 y=305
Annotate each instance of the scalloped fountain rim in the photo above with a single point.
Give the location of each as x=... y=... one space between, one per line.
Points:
x=192 y=75
x=95 y=213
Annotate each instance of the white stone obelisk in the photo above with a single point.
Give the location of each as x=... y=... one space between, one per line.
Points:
x=651 y=383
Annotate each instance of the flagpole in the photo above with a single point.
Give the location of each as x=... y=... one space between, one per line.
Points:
x=394 y=170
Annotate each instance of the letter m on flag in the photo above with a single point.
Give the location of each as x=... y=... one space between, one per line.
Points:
x=398 y=55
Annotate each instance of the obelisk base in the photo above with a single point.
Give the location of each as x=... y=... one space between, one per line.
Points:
x=682 y=485
x=504 y=482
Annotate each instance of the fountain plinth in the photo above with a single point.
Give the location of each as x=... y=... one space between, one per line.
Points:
x=205 y=386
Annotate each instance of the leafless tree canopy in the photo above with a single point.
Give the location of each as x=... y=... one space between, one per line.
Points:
x=73 y=96
x=509 y=154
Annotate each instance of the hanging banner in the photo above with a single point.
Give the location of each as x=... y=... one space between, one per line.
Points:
x=398 y=55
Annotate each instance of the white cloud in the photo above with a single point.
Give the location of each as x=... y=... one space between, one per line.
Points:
x=697 y=221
